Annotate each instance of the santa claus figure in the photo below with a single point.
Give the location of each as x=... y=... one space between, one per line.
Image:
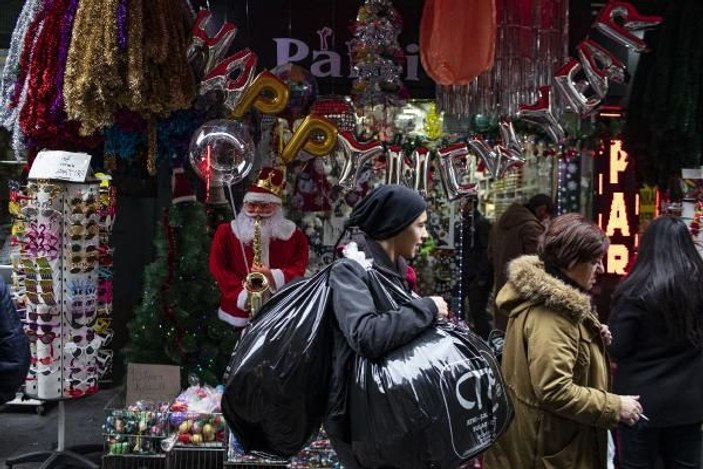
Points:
x=284 y=247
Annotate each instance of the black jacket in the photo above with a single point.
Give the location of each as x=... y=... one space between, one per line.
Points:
x=366 y=324
x=14 y=347
x=667 y=374
x=476 y=263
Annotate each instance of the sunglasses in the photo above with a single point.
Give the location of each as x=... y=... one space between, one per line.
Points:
x=78 y=231
x=82 y=288
x=106 y=337
x=78 y=266
x=46 y=338
x=45 y=316
x=45 y=212
x=81 y=382
x=79 y=319
x=44 y=371
x=102 y=324
x=91 y=369
x=89 y=336
x=105 y=292
x=104 y=356
x=44 y=361
x=43 y=298
x=75 y=350
x=51 y=190
x=46 y=328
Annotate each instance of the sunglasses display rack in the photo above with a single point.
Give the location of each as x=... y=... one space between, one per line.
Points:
x=56 y=275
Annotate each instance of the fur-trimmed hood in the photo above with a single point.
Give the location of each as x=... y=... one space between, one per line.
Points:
x=528 y=282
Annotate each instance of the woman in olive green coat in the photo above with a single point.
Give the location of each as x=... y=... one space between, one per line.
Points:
x=554 y=360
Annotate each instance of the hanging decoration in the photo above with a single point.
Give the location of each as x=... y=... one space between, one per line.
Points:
x=221 y=152
x=540 y=113
x=356 y=155
x=219 y=79
x=303 y=139
x=302 y=90
x=531 y=42
x=446 y=28
x=377 y=55
x=450 y=158
x=205 y=52
x=267 y=94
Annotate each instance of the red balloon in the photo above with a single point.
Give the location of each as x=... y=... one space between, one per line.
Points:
x=457 y=39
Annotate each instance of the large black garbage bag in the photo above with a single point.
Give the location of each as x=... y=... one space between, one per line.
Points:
x=277 y=389
x=434 y=403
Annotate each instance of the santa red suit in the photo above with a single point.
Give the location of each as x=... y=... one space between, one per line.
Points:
x=284 y=249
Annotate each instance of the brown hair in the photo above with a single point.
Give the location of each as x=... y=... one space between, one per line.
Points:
x=571 y=239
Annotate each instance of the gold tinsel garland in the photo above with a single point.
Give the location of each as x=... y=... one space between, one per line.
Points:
x=85 y=90
x=152 y=77
x=136 y=86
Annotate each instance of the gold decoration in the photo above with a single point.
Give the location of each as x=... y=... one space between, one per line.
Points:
x=433 y=123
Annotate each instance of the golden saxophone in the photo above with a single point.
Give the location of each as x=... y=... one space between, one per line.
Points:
x=256 y=283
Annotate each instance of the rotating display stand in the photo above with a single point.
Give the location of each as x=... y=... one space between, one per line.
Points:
x=57 y=272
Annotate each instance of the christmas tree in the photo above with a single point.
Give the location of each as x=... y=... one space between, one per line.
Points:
x=376 y=54
x=176 y=322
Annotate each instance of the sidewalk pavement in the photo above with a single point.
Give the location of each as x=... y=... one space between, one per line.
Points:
x=23 y=431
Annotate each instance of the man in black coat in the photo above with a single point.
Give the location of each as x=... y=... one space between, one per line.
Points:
x=14 y=347
x=477 y=270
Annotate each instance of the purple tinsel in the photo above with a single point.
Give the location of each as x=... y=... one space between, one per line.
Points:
x=64 y=43
x=122 y=25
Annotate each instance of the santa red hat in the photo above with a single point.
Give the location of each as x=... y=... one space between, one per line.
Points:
x=268 y=186
x=181 y=190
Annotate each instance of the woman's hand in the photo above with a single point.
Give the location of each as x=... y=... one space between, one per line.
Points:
x=442 y=308
x=630 y=410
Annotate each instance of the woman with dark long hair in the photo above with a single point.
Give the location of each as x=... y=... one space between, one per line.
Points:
x=657 y=329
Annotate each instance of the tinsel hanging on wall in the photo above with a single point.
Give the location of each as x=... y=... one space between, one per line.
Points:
x=664 y=128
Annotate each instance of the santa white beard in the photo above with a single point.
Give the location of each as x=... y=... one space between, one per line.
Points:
x=275 y=226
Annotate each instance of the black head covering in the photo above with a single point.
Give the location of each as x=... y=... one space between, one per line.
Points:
x=387 y=211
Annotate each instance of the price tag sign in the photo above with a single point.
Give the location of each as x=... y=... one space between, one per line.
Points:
x=60 y=165
x=152 y=382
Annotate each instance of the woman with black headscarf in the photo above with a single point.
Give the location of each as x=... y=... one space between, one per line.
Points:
x=392 y=219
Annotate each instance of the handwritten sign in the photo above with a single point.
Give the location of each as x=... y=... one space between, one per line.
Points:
x=152 y=382
x=60 y=165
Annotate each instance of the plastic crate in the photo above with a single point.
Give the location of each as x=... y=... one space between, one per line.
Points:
x=200 y=457
x=133 y=461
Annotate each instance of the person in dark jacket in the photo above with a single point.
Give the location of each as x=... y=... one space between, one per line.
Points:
x=516 y=233
x=14 y=347
x=477 y=269
x=392 y=220
x=657 y=329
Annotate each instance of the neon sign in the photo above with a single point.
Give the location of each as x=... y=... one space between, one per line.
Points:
x=616 y=204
